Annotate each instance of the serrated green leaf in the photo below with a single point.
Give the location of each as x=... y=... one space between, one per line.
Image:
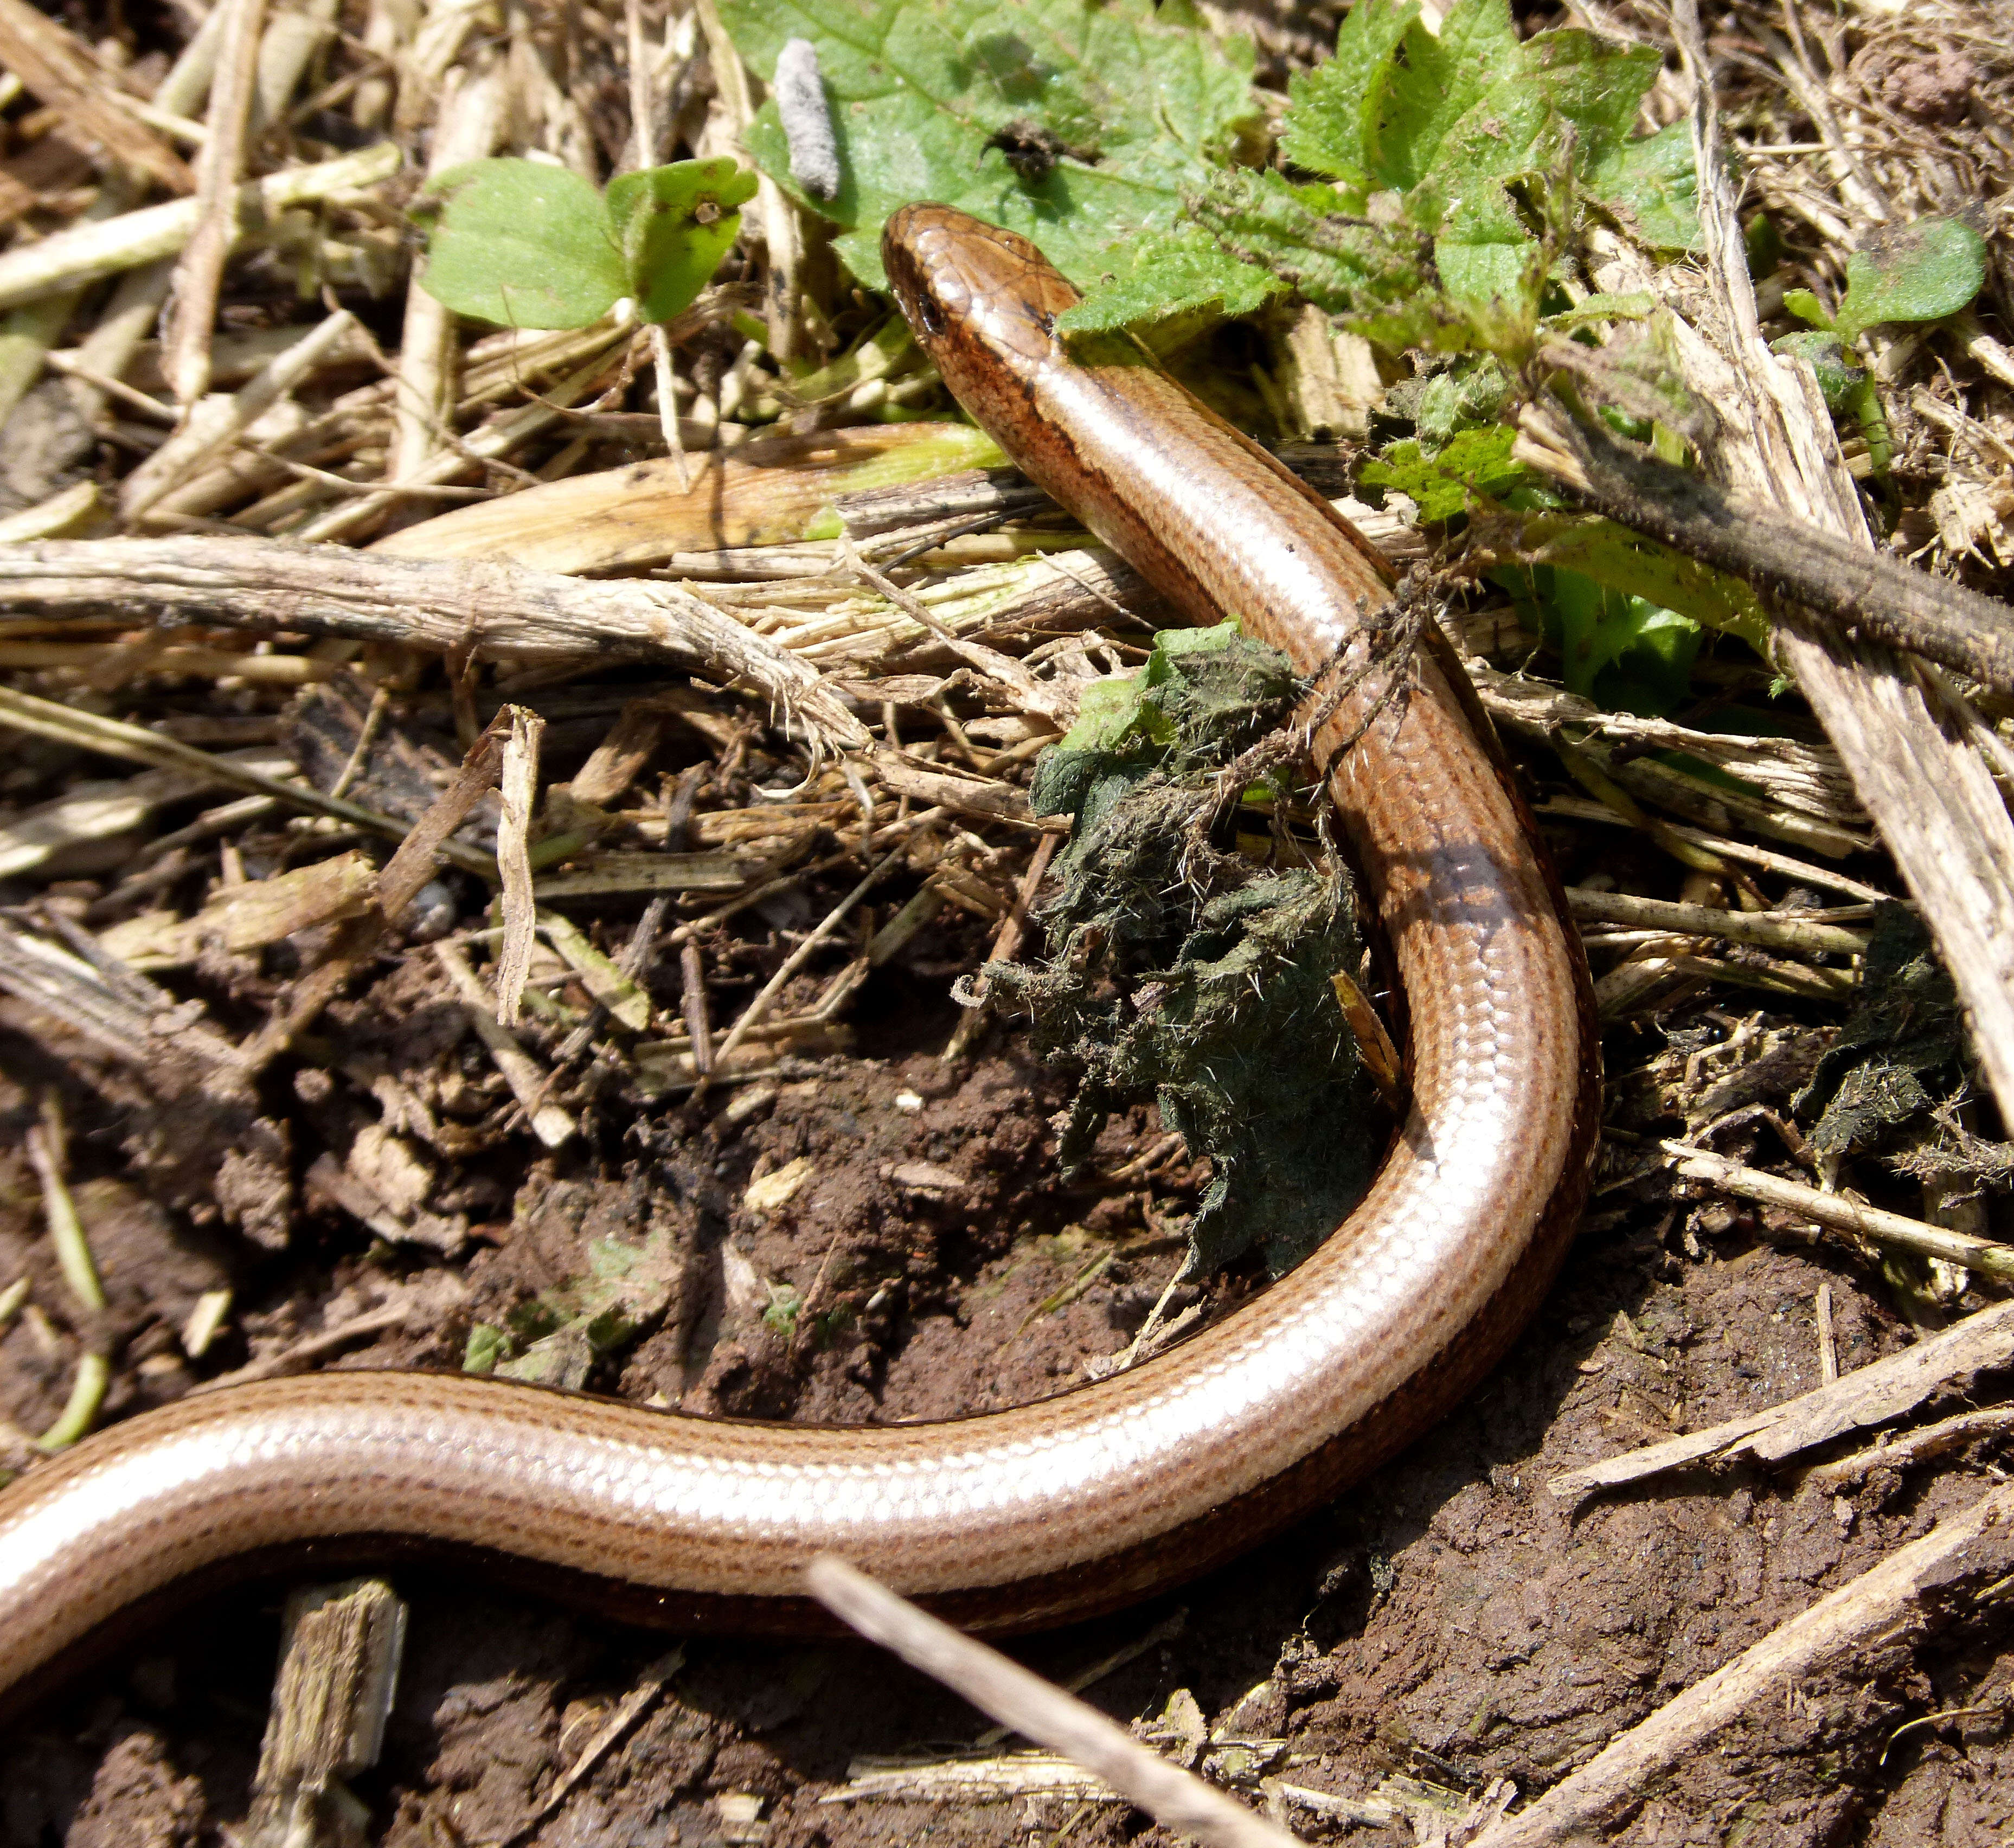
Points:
x=1335 y=108
x=1178 y=272
x=1463 y=395
x=1471 y=463
x=1475 y=137
x=1291 y=231
x=1436 y=82
x=523 y=245
x=674 y=224
x=1566 y=90
x=1150 y=101
x=1921 y=272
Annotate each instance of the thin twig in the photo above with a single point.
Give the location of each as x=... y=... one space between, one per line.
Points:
x=1842 y=1215
x=73 y=726
x=85 y=253
x=1176 y=1798
x=1883 y=1390
x=1006 y=946
x=483 y=607
x=800 y=956
x=185 y=337
x=1767 y=930
x=1865 y=592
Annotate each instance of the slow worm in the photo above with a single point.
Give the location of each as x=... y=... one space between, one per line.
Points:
x=1078 y=1503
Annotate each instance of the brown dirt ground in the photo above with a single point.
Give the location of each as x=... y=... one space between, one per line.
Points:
x=1448 y=1619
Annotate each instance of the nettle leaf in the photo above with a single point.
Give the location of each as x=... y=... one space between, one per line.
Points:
x=1295 y=233
x=675 y=224
x=1331 y=125
x=1921 y=272
x=1436 y=80
x=523 y=244
x=1475 y=138
x=1143 y=102
x=1177 y=272
x=1443 y=484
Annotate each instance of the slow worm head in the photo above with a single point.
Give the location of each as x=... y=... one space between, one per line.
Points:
x=1052 y=1510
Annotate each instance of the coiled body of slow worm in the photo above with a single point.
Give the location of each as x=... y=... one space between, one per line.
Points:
x=1019 y=1518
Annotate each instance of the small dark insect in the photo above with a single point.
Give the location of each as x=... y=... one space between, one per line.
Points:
x=1032 y=151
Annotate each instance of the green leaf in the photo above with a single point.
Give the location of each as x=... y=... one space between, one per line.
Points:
x=1764 y=244
x=1147 y=101
x=485 y=1348
x=1179 y=272
x=1652 y=186
x=674 y=224
x=779 y=1315
x=1468 y=393
x=1291 y=232
x=1635 y=305
x=1921 y=272
x=1330 y=125
x=1624 y=562
x=523 y=245
x=1110 y=715
x=1839 y=378
x=1435 y=82
x=1173 y=645
x=1623 y=652
x=1121 y=715
x=1473 y=137
x=1472 y=463
x=1808 y=309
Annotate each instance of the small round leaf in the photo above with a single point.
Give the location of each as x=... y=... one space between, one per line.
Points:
x=523 y=245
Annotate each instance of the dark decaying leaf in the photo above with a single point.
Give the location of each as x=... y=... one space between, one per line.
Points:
x=1194 y=976
x=1894 y=1074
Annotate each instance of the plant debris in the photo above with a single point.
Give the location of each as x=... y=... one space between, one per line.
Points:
x=1193 y=975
